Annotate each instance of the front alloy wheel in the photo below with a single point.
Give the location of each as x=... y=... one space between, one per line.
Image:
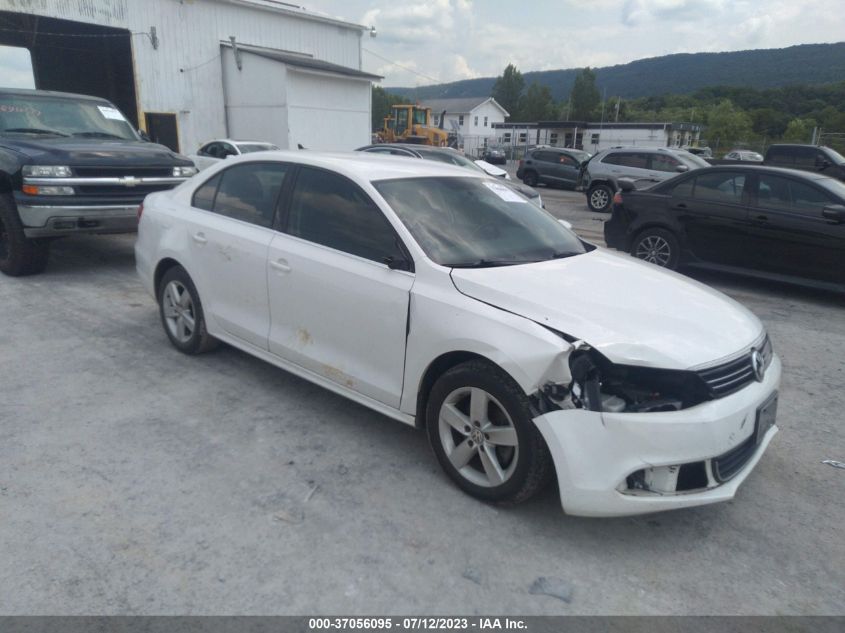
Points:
x=478 y=437
x=178 y=310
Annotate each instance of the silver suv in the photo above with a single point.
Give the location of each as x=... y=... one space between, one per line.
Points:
x=644 y=165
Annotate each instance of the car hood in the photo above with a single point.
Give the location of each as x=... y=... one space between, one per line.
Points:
x=632 y=312
x=94 y=151
x=491 y=169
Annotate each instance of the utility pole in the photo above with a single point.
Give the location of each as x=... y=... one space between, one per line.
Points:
x=618 y=103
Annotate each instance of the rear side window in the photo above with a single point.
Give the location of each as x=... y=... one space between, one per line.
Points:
x=781 y=155
x=720 y=187
x=546 y=157
x=247 y=192
x=636 y=160
x=331 y=210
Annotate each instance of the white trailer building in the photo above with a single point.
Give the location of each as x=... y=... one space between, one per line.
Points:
x=187 y=71
x=471 y=120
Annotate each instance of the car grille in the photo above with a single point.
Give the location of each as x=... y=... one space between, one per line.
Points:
x=120 y=190
x=727 y=378
x=727 y=465
x=120 y=172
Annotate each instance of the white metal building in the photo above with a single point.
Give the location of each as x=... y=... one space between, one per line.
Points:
x=187 y=71
x=595 y=136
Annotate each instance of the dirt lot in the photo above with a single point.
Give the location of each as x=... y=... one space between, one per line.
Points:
x=134 y=479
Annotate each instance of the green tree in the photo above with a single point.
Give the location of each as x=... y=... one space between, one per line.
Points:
x=508 y=91
x=382 y=102
x=799 y=131
x=537 y=104
x=585 y=97
x=727 y=125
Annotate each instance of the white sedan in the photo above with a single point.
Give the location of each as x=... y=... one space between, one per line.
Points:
x=444 y=300
x=213 y=152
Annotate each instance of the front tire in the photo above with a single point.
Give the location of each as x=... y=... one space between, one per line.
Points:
x=181 y=313
x=479 y=424
x=657 y=246
x=530 y=178
x=599 y=198
x=19 y=255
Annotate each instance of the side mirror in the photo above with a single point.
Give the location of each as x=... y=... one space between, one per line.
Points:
x=565 y=223
x=822 y=163
x=144 y=136
x=835 y=213
x=681 y=169
x=626 y=184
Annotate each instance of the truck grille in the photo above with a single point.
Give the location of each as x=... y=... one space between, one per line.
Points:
x=120 y=172
x=120 y=190
x=730 y=377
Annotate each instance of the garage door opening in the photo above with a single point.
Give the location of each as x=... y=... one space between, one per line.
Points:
x=74 y=57
x=162 y=128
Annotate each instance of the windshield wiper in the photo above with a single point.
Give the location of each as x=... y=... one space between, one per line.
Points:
x=99 y=135
x=490 y=263
x=35 y=130
x=563 y=255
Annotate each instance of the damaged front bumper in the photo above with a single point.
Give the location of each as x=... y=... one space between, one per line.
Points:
x=617 y=464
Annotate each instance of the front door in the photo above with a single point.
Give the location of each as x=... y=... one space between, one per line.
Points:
x=336 y=308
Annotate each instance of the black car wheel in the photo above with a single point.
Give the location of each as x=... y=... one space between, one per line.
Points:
x=530 y=178
x=657 y=246
x=19 y=255
x=599 y=198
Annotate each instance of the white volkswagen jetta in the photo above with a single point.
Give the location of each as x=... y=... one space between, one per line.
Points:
x=446 y=301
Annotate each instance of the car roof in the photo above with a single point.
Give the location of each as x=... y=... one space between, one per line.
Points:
x=236 y=141
x=369 y=166
x=763 y=169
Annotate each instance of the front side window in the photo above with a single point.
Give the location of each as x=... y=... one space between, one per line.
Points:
x=331 y=210
x=663 y=162
x=471 y=222
x=784 y=194
x=247 y=192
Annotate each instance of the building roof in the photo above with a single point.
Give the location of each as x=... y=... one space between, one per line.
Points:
x=460 y=106
x=303 y=61
x=279 y=6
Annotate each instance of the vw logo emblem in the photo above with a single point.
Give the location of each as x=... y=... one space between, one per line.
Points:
x=757 y=365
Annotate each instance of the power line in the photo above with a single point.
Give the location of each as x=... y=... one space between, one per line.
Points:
x=393 y=63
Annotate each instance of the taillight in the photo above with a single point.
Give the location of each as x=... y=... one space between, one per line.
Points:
x=617 y=198
x=140 y=210
x=520 y=162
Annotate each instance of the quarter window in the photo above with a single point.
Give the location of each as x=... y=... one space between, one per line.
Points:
x=204 y=196
x=329 y=209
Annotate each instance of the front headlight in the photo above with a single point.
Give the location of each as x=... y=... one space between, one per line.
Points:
x=46 y=171
x=184 y=172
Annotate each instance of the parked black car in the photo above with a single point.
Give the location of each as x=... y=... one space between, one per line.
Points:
x=815 y=158
x=779 y=223
x=71 y=164
x=495 y=155
x=551 y=166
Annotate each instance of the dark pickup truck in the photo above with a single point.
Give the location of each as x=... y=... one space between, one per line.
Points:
x=71 y=164
x=815 y=158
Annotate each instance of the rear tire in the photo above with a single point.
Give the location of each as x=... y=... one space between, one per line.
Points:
x=181 y=313
x=530 y=178
x=657 y=246
x=480 y=426
x=599 y=198
x=19 y=255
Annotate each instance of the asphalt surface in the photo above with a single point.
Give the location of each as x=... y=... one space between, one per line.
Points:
x=137 y=480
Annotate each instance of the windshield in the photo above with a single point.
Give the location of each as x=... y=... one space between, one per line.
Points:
x=248 y=148
x=836 y=156
x=692 y=160
x=51 y=116
x=451 y=158
x=475 y=223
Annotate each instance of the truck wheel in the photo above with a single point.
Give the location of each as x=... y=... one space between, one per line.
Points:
x=480 y=426
x=19 y=255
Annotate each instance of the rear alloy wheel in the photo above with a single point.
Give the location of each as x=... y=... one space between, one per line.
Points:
x=599 y=198
x=657 y=246
x=181 y=313
x=530 y=178
x=480 y=426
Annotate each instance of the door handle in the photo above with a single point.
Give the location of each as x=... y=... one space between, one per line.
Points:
x=199 y=238
x=762 y=218
x=281 y=265
x=680 y=205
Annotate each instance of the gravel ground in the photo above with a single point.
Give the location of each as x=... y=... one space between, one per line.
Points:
x=136 y=480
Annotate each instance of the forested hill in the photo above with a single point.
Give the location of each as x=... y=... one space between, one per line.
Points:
x=675 y=74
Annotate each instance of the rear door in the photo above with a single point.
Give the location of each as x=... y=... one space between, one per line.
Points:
x=789 y=235
x=337 y=309
x=632 y=164
x=712 y=208
x=567 y=170
x=230 y=235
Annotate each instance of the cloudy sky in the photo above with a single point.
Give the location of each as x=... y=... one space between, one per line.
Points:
x=446 y=40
